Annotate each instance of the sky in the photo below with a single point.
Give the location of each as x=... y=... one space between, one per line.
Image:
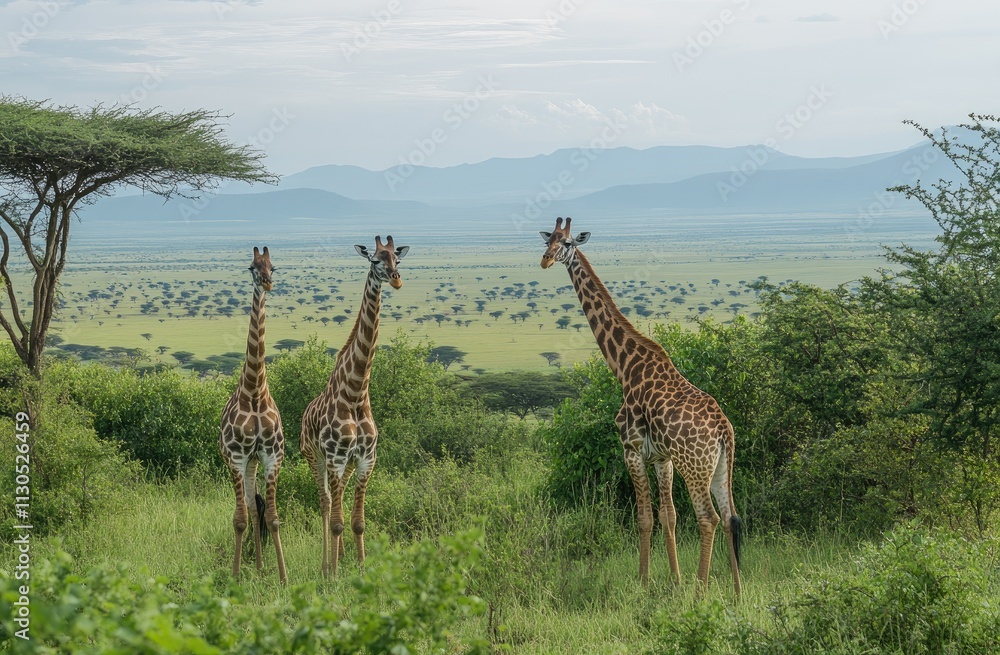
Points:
x=378 y=84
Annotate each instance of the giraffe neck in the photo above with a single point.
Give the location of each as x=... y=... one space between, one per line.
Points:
x=254 y=377
x=611 y=329
x=360 y=346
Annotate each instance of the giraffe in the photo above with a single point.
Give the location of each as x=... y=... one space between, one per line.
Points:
x=664 y=419
x=339 y=434
x=251 y=432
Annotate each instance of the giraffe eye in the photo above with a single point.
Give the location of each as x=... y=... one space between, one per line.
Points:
x=567 y=242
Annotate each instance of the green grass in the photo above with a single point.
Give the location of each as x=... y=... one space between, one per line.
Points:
x=558 y=582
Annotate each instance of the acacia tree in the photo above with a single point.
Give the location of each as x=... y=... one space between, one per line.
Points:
x=942 y=304
x=56 y=159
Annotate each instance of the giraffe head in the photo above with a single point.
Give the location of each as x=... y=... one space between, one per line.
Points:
x=261 y=269
x=385 y=260
x=560 y=244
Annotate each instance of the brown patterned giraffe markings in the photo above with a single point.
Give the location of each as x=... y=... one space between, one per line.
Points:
x=664 y=420
x=339 y=434
x=251 y=432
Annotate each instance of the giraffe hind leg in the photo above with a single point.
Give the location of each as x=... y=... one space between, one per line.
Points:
x=250 y=500
x=732 y=526
x=271 y=517
x=668 y=514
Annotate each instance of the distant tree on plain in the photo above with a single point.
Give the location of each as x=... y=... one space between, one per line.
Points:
x=553 y=358
x=446 y=355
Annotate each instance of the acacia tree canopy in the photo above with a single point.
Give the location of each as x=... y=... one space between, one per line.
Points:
x=54 y=159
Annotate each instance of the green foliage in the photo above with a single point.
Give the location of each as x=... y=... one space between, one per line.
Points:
x=163 y=419
x=859 y=479
x=941 y=304
x=72 y=473
x=825 y=349
x=520 y=392
x=406 y=601
x=696 y=631
x=914 y=593
x=582 y=439
x=294 y=380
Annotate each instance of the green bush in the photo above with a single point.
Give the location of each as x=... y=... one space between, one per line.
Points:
x=582 y=440
x=294 y=380
x=914 y=593
x=164 y=420
x=72 y=472
x=696 y=631
x=419 y=408
x=406 y=601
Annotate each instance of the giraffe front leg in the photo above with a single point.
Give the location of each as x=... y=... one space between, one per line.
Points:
x=239 y=520
x=318 y=467
x=358 y=513
x=637 y=470
x=271 y=518
x=668 y=515
x=708 y=519
x=250 y=493
x=336 y=520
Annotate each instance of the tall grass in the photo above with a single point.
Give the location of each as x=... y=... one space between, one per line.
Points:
x=555 y=580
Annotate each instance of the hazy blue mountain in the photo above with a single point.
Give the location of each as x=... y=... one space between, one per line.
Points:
x=738 y=180
x=573 y=172
x=810 y=189
x=291 y=212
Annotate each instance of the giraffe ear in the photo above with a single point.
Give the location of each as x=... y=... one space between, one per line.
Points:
x=363 y=252
x=401 y=251
x=582 y=238
x=546 y=236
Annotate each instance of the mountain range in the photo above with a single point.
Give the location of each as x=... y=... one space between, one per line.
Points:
x=576 y=181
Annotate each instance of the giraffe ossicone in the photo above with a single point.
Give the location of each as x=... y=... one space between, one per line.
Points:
x=339 y=434
x=664 y=420
x=250 y=434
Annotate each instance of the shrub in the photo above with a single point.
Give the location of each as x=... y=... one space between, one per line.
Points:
x=696 y=631
x=294 y=380
x=72 y=471
x=582 y=439
x=406 y=601
x=165 y=420
x=915 y=593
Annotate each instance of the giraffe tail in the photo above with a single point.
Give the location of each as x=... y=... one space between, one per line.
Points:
x=736 y=526
x=261 y=506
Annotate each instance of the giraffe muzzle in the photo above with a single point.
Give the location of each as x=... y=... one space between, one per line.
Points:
x=547 y=261
x=395 y=282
